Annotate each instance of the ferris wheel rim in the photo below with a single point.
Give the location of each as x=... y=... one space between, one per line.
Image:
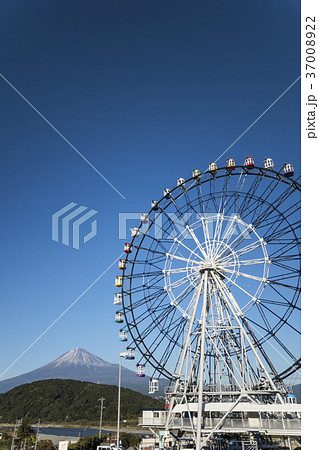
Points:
x=257 y=171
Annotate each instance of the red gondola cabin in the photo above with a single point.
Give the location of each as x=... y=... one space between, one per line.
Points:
x=249 y=162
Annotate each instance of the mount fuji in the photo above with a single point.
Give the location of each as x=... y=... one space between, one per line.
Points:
x=79 y=364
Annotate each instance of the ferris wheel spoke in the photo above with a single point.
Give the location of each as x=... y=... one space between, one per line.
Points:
x=183 y=295
x=191 y=231
x=227 y=235
x=177 y=283
x=147 y=235
x=249 y=196
x=188 y=249
x=281 y=319
x=246 y=262
x=281 y=344
x=243 y=250
x=252 y=297
x=274 y=205
x=178 y=270
x=284 y=298
x=287 y=286
x=181 y=258
x=246 y=275
x=200 y=196
x=286 y=267
x=222 y=203
x=282 y=249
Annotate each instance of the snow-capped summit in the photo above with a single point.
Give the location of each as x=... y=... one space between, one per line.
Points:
x=80 y=357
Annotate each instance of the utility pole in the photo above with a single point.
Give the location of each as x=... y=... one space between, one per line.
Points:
x=18 y=423
x=101 y=415
x=37 y=436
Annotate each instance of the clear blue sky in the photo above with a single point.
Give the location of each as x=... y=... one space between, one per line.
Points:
x=146 y=91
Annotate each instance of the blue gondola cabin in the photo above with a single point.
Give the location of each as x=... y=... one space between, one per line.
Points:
x=123 y=335
x=130 y=353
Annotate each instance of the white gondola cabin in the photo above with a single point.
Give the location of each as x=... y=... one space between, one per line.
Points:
x=122 y=264
x=130 y=353
x=196 y=175
x=117 y=299
x=181 y=183
x=167 y=193
x=118 y=281
x=268 y=164
x=288 y=170
x=123 y=335
x=230 y=164
x=127 y=247
x=135 y=232
x=119 y=317
x=249 y=162
x=153 y=386
x=140 y=370
x=212 y=168
x=154 y=205
x=144 y=218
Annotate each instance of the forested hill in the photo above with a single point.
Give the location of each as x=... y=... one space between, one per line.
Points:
x=71 y=401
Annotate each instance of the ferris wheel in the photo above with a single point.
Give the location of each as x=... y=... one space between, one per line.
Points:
x=209 y=291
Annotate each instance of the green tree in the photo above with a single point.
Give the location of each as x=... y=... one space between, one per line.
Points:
x=130 y=440
x=45 y=444
x=25 y=431
x=87 y=443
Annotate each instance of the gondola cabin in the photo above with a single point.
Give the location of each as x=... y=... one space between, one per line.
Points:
x=196 y=175
x=153 y=386
x=167 y=193
x=230 y=164
x=119 y=317
x=249 y=162
x=212 y=168
x=288 y=170
x=181 y=183
x=127 y=248
x=130 y=353
x=117 y=299
x=268 y=164
x=118 y=281
x=123 y=335
x=122 y=264
x=144 y=218
x=154 y=205
x=135 y=232
x=140 y=370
